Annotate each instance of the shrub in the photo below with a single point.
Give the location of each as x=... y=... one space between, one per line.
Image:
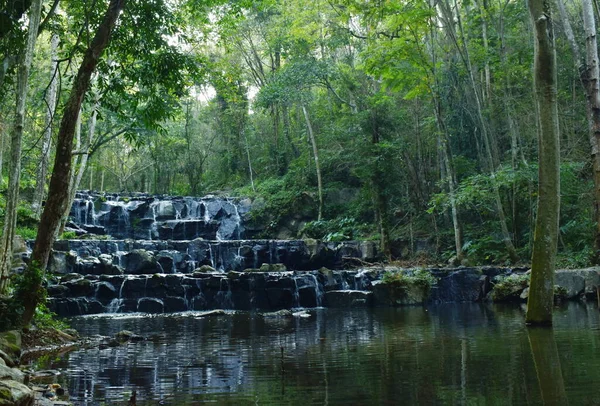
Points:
x=404 y=280
x=509 y=288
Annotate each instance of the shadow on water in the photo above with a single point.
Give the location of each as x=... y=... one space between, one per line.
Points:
x=451 y=354
x=547 y=365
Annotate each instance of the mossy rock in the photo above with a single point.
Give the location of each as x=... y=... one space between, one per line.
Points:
x=273 y=268
x=13 y=393
x=205 y=268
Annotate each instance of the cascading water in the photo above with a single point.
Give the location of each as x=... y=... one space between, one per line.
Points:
x=154 y=263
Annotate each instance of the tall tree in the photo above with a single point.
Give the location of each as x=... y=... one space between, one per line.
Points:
x=58 y=194
x=541 y=290
x=42 y=171
x=12 y=198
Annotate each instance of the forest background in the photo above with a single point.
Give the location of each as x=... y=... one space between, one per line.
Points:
x=411 y=123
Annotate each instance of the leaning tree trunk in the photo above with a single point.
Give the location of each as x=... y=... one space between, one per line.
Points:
x=313 y=142
x=42 y=170
x=14 y=178
x=541 y=289
x=59 y=183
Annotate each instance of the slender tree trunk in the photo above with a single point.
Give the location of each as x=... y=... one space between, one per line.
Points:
x=74 y=166
x=14 y=178
x=82 y=163
x=313 y=142
x=541 y=289
x=489 y=148
x=589 y=74
x=42 y=172
x=92 y=180
x=59 y=183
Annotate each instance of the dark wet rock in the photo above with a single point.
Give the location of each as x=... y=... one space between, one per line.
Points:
x=348 y=298
x=141 y=261
x=463 y=285
x=105 y=291
x=174 y=304
x=58 y=290
x=390 y=294
x=80 y=287
x=150 y=305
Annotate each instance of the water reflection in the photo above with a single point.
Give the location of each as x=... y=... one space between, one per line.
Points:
x=547 y=365
x=450 y=354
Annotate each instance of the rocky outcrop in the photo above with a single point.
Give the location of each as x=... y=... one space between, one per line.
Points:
x=13 y=391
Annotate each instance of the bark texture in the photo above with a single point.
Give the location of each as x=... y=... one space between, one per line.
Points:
x=58 y=195
x=541 y=289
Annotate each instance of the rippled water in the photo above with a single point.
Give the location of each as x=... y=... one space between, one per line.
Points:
x=448 y=354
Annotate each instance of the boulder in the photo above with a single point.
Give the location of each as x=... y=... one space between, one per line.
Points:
x=14 y=393
x=572 y=281
x=11 y=373
x=141 y=261
x=463 y=285
x=391 y=294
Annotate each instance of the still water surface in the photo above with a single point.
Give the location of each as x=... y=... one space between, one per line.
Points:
x=460 y=354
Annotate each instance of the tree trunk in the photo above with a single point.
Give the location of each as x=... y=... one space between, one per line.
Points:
x=589 y=73
x=74 y=166
x=82 y=162
x=313 y=142
x=42 y=172
x=14 y=178
x=541 y=289
x=485 y=133
x=59 y=183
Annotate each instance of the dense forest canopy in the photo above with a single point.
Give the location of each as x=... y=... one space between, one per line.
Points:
x=407 y=122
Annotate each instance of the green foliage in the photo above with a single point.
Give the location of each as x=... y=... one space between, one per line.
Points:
x=340 y=229
x=44 y=318
x=68 y=235
x=569 y=259
x=486 y=249
x=26 y=233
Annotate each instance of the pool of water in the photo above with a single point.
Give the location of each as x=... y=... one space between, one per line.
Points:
x=463 y=354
